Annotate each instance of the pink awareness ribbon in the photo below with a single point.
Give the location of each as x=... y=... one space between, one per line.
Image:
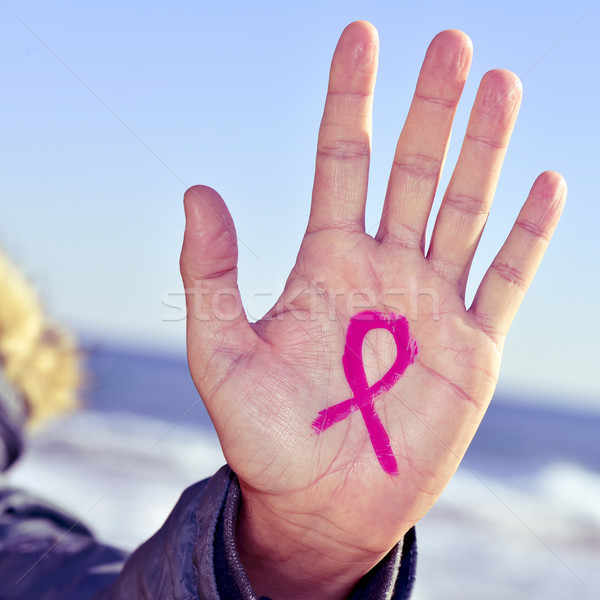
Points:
x=364 y=395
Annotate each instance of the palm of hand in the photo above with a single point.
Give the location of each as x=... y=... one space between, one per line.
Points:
x=265 y=383
x=272 y=395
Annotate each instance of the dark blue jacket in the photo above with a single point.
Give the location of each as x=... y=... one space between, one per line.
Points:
x=48 y=555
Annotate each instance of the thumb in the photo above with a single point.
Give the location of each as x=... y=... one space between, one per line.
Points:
x=217 y=328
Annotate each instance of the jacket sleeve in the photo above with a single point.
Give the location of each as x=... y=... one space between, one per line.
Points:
x=194 y=555
x=393 y=577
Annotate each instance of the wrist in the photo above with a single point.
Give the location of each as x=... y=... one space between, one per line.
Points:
x=294 y=554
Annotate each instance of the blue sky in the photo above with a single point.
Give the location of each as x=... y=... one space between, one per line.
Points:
x=111 y=110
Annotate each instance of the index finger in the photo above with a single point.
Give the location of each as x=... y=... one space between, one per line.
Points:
x=344 y=146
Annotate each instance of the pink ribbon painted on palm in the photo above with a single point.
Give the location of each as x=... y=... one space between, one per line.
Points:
x=364 y=395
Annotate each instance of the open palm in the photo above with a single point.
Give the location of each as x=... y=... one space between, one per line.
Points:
x=264 y=384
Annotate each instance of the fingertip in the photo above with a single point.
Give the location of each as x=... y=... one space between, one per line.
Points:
x=554 y=182
x=197 y=191
x=361 y=28
x=504 y=82
x=452 y=47
x=210 y=241
x=198 y=197
x=499 y=99
x=460 y=37
x=357 y=50
x=550 y=190
x=203 y=204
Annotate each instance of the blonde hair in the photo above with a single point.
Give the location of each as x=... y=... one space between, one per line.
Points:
x=38 y=357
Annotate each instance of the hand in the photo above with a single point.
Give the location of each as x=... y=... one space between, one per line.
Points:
x=319 y=510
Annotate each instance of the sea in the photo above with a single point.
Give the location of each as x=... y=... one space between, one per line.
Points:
x=520 y=519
